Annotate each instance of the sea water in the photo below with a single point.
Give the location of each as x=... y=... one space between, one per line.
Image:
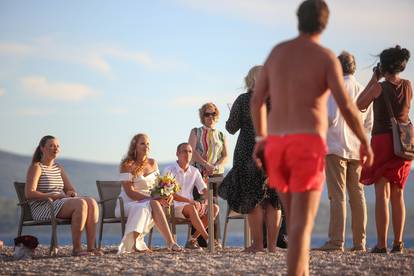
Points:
x=234 y=239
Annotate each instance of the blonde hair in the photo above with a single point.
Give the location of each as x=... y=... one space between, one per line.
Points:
x=250 y=79
x=203 y=109
x=131 y=156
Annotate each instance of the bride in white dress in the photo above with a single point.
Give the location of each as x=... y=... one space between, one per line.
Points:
x=138 y=175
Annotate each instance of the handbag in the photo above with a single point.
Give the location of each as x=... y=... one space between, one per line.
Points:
x=402 y=134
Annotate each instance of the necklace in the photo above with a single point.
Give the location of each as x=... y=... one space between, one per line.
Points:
x=139 y=167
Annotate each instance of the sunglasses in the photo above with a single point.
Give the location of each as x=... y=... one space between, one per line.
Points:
x=208 y=114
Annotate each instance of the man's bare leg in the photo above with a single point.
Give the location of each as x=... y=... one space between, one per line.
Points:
x=204 y=220
x=189 y=211
x=301 y=209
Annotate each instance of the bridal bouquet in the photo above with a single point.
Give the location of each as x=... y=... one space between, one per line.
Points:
x=165 y=186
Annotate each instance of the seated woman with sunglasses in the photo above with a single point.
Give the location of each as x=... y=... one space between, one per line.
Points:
x=210 y=151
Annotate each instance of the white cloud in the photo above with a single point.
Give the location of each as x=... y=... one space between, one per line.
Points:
x=269 y=12
x=14 y=49
x=2 y=91
x=30 y=112
x=197 y=101
x=118 y=110
x=357 y=16
x=95 y=58
x=62 y=91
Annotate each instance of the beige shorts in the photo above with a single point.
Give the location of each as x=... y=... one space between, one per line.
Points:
x=178 y=211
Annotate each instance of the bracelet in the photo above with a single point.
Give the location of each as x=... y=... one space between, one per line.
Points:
x=258 y=138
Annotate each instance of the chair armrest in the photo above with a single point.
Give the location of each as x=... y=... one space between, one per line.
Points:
x=108 y=199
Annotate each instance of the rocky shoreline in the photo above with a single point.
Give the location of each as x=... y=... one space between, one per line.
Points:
x=226 y=262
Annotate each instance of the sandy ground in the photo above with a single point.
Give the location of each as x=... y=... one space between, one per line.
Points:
x=226 y=262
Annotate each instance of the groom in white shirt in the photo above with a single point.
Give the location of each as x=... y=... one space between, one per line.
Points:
x=343 y=168
x=184 y=204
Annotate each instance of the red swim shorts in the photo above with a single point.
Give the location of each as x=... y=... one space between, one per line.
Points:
x=295 y=162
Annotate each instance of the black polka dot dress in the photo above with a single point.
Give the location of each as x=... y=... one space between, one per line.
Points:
x=245 y=186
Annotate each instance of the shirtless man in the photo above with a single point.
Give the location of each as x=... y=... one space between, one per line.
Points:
x=297 y=77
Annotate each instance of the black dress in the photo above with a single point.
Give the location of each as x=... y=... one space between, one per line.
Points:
x=245 y=186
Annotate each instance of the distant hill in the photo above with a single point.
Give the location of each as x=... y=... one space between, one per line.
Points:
x=83 y=175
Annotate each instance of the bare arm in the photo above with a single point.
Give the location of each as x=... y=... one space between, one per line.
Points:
x=129 y=186
x=33 y=176
x=348 y=109
x=371 y=91
x=177 y=197
x=68 y=187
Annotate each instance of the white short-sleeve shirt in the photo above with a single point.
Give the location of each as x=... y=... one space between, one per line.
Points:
x=188 y=180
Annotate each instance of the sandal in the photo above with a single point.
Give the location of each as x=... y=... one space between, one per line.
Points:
x=376 y=249
x=174 y=247
x=398 y=247
x=96 y=252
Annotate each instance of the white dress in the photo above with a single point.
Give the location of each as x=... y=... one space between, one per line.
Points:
x=138 y=212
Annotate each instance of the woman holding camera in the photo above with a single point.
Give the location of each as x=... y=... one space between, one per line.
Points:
x=389 y=172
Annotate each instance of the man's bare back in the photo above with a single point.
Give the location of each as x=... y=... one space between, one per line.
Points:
x=296 y=76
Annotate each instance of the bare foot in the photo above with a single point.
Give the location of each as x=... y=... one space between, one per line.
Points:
x=147 y=251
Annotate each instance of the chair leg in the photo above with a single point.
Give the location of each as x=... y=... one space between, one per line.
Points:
x=247 y=234
x=150 y=238
x=189 y=232
x=225 y=228
x=20 y=229
x=123 y=227
x=100 y=234
x=174 y=231
x=53 y=241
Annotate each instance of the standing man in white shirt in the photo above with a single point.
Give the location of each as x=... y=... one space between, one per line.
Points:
x=184 y=204
x=343 y=168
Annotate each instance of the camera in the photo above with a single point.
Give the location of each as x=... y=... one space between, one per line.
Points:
x=377 y=70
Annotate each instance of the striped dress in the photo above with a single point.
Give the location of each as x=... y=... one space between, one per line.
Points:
x=50 y=182
x=210 y=145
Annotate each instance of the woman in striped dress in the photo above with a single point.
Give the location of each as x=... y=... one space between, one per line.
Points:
x=210 y=152
x=47 y=179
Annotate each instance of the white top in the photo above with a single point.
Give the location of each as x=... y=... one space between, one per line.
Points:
x=340 y=139
x=143 y=184
x=188 y=180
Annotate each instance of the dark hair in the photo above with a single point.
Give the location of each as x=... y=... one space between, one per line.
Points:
x=348 y=64
x=393 y=60
x=313 y=16
x=38 y=152
x=181 y=145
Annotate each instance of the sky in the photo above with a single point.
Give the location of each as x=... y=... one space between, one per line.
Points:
x=94 y=73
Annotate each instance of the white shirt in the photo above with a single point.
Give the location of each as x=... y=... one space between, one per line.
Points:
x=340 y=139
x=188 y=180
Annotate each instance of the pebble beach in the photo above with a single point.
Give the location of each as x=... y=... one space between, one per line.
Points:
x=230 y=261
